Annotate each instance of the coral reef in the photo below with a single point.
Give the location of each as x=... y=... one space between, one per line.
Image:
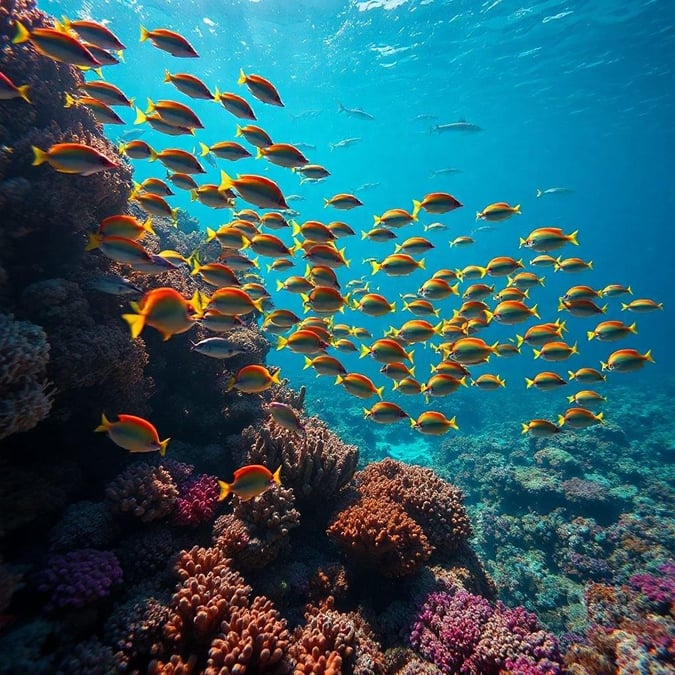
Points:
x=400 y=515
x=317 y=465
x=378 y=534
x=257 y=530
x=143 y=491
x=79 y=578
x=463 y=633
x=24 y=393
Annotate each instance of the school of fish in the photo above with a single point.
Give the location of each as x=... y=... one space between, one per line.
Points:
x=311 y=262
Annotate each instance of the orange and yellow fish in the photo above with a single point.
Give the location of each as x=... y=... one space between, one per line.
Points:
x=249 y=482
x=133 y=434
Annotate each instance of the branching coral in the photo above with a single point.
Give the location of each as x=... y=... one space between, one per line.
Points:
x=332 y=643
x=214 y=620
x=24 y=392
x=317 y=465
x=143 y=491
x=258 y=529
x=83 y=524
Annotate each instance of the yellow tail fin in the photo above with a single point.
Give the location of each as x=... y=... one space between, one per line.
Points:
x=224 y=490
x=105 y=423
x=40 y=156
x=136 y=323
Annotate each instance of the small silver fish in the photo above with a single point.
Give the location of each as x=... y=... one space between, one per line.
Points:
x=130 y=135
x=367 y=186
x=344 y=143
x=114 y=285
x=435 y=227
x=425 y=116
x=445 y=172
x=305 y=114
x=294 y=198
x=156 y=265
x=356 y=112
x=554 y=191
x=456 y=126
x=304 y=146
x=217 y=348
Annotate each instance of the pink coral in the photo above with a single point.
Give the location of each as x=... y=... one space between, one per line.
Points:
x=197 y=500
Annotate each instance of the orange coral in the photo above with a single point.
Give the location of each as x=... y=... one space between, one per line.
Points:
x=379 y=534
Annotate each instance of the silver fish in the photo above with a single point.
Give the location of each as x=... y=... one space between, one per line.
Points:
x=445 y=172
x=367 y=186
x=456 y=126
x=217 y=348
x=554 y=191
x=294 y=198
x=305 y=114
x=156 y=265
x=114 y=285
x=304 y=146
x=425 y=116
x=344 y=143
x=356 y=112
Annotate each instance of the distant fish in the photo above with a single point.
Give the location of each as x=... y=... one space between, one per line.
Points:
x=304 y=146
x=305 y=114
x=444 y=172
x=114 y=285
x=344 y=143
x=554 y=191
x=463 y=126
x=295 y=198
x=355 y=112
x=130 y=135
x=424 y=116
x=367 y=186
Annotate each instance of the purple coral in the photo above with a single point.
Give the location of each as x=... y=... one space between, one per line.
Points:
x=197 y=499
x=463 y=633
x=79 y=578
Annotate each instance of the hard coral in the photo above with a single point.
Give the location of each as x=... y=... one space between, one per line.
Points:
x=253 y=637
x=433 y=503
x=197 y=500
x=83 y=524
x=79 y=578
x=209 y=591
x=333 y=643
x=258 y=529
x=317 y=465
x=24 y=393
x=463 y=633
x=378 y=534
x=143 y=491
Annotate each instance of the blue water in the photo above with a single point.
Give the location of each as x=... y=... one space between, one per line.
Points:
x=573 y=94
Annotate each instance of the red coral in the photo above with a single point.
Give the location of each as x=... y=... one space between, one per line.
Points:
x=332 y=643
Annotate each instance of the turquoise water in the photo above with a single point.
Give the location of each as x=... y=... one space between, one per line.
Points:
x=568 y=94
